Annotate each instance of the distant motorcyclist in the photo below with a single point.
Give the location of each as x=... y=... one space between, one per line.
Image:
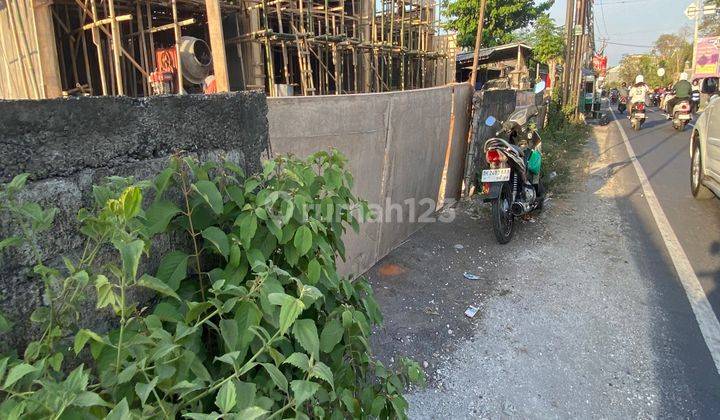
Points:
x=623 y=94
x=695 y=95
x=682 y=89
x=639 y=92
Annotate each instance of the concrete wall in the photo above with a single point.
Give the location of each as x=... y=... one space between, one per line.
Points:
x=70 y=144
x=400 y=146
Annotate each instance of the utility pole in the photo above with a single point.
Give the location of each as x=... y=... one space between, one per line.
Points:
x=580 y=52
x=699 y=11
x=478 y=40
x=569 y=23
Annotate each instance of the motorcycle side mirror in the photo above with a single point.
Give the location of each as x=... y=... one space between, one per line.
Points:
x=490 y=121
x=539 y=86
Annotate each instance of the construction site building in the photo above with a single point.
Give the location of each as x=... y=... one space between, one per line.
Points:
x=54 y=48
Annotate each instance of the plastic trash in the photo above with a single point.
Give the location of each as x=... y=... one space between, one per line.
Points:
x=471 y=276
x=471 y=311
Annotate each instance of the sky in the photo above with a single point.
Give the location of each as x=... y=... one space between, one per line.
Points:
x=636 y=22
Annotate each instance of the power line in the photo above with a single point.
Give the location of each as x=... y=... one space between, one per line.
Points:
x=620 y=2
x=629 y=45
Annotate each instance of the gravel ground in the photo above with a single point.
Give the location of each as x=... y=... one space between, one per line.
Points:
x=570 y=324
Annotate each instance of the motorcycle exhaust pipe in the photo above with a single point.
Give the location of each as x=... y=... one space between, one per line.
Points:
x=517 y=209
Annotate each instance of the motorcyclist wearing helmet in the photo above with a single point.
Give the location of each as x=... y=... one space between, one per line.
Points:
x=683 y=90
x=639 y=92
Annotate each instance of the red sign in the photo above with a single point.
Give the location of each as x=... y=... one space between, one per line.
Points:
x=600 y=64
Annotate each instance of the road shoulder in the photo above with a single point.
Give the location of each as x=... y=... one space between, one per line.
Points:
x=572 y=321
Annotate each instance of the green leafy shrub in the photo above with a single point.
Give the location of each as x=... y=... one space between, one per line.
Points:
x=253 y=322
x=563 y=141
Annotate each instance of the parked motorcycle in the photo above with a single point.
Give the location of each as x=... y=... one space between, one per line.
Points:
x=637 y=115
x=512 y=183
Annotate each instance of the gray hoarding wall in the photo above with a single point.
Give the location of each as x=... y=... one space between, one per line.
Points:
x=68 y=145
x=405 y=150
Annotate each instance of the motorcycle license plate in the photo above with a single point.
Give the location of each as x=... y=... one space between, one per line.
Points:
x=639 y=115
x=495 y=175
x=684 y=117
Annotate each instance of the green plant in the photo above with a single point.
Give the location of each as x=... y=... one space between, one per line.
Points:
x=563 y=140
x=253 y=322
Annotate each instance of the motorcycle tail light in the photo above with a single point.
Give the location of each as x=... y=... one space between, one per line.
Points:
x=685 y=107
x=493 y=156
x=640 y=106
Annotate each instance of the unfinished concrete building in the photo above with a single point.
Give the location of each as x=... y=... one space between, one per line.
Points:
x=52 y=48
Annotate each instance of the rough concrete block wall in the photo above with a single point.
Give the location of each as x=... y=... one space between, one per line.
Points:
x=70 y=144
x=396 y=144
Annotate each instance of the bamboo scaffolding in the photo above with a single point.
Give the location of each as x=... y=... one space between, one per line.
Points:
x=308 y=47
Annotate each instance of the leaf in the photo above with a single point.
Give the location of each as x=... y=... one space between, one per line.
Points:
x=127 y=373
x=303 y=240
x=219 y=239
x=82 y=337
x=18 y=182
x=159 y=215
x=143 y=390
x=130 y=253
x=120 y=412
x=105 y=294
x=209 y=192
x=299 y=360
x=226 y=397
x=251 y=413
x=18 y=372
x=5 y=325
x=89 y=399
x=247 y=222
x=306 y=333
x=157 y=285
x=279 y=298
x=289 y=312
x=303 y=390
x=277 y=377
x=10 y=241
x=331 y=335
x=321 y=371
x=173 y=269
x=313 y=271
x=162 y=180
x=229 y=333
x=131 y=200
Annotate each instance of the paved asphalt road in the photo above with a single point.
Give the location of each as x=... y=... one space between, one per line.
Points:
x=663 y=153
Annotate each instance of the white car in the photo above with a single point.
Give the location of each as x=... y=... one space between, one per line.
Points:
x=705 y=152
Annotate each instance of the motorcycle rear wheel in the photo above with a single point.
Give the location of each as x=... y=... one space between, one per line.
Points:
x=502 y=218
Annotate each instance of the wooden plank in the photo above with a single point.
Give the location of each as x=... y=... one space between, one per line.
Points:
x=217 y=45
x=50 y=67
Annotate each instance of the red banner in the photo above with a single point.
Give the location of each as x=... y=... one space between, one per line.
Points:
x=600 y=64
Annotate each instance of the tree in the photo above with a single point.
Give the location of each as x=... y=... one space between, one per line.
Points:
x=502 y=17
x=645 y=64
x=672 y=51
x=547 y=40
